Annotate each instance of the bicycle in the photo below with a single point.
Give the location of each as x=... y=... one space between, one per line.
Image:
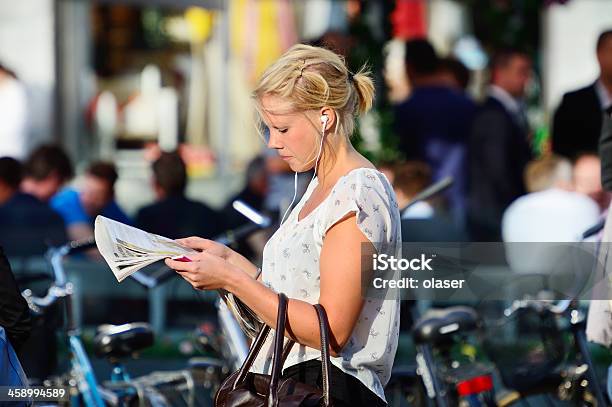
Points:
x=113 y=342
x=545 y=371
x=550 y=332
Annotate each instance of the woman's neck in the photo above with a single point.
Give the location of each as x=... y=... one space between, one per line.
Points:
x=333 y=166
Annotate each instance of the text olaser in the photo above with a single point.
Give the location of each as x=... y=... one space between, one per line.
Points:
x=410 y=282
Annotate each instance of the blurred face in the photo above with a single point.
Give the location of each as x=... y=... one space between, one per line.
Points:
x=46 y=188
x=587 y=180
x=513 y=77
x=293 y=135
x=604 y=57
x=587 y=175
x=95 y=194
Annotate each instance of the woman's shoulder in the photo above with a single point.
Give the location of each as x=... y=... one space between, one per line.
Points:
x=366 y=192
x=365 y=188
x=362 y=180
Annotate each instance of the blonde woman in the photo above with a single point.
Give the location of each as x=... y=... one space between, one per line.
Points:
x=309 y=100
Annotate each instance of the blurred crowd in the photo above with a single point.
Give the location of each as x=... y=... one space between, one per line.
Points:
x=501 y=189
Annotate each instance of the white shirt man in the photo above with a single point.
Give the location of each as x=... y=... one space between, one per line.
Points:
x=552 y=213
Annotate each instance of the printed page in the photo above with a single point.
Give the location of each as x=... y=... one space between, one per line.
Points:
x=127 y=249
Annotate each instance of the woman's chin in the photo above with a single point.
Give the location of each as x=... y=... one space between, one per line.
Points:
x=298 y=167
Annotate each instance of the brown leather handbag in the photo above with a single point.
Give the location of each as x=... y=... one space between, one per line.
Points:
x=243 y=388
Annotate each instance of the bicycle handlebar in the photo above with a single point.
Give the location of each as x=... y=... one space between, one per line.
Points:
x=38 y=304
x=61 y=287
x=430 y=191
x=593 y=230
x=78 y=246
x=539 y=306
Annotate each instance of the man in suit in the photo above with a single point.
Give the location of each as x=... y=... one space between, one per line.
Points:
x=433 y=124
x=577 y=121
x=499 y=146
x=605 y=150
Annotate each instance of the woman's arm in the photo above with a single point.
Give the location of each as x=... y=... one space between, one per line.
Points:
x=340 y=294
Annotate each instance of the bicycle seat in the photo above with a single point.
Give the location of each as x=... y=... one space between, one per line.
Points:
x=437 y=325
x=117 y=341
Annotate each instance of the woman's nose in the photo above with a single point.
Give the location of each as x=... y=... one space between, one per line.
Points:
x=273 y=141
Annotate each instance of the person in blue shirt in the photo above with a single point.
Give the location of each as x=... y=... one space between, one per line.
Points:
x=96 y=197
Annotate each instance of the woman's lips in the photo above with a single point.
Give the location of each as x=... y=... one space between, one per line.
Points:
x=285 y=157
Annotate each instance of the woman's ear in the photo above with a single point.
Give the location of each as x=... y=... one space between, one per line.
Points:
x=330 y=114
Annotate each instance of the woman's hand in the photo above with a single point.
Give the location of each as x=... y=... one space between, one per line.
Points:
x=206 y=245
x=205 y=271
x=219 y=250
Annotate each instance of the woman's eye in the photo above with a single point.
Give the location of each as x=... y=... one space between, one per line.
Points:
x=282 y=130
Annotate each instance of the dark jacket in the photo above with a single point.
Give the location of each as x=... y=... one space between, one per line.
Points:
x=14 y=312
x=605 y=150
x=29 y=226
x=433 y=125
x=177 y=217
x=577 y=123
x=499 y=152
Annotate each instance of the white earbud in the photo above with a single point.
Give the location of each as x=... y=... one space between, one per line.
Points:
x=324 y=119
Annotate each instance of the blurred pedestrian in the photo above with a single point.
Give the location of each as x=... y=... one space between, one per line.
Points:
x=45 y=172
x=410 y=178
x=422 y=221
x=454 y=73
x=15 y=326
x=28 y=226
x=15 y=315
x=173 y=214
x=577 y=123
x=433 y=124
x=13 y=115
x=79 y=208
x=552 y=211
x=499 y=145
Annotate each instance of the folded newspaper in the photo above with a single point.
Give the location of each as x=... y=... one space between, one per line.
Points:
x=127 y=249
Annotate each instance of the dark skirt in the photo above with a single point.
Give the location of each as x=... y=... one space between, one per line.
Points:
x=345 y=390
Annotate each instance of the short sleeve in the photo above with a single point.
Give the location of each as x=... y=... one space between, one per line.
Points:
x=368 y=195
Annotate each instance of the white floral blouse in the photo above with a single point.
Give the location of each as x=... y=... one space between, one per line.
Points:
x=291 y=265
